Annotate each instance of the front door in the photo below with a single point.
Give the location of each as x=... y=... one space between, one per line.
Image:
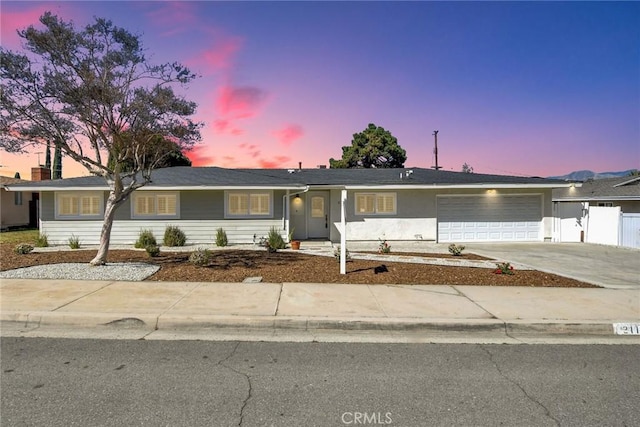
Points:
x=318 y=214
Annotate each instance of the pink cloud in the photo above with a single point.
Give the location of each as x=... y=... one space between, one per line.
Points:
x=174 y=16
x=277 y=162
x=199 y=156
x=288 y=134
x=11 y=21
x=240 y=102
x=217 y=57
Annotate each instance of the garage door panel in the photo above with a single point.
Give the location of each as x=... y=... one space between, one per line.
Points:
x=489 y=218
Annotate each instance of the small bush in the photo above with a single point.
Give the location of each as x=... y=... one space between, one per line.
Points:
x=383 y=247
x=456 y=250
x=23 y=248
x=200 y=257
x=74 y=242
x=337 y=254
x=221 y=237
x=173 y=236
x=504 y=268
x=145 y=238
x=275 y=240
x=152 y=250
x=41 y=241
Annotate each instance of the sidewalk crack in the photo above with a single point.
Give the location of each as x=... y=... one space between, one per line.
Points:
x=246 y=377
x=377 y=302
x=493 y=316
x=83 y=296
x=521 y=388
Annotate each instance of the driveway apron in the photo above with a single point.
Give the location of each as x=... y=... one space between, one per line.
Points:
x=607 y=266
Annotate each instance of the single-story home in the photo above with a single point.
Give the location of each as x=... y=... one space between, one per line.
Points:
x=14 y=206
x=605 y=211
x=393 y=204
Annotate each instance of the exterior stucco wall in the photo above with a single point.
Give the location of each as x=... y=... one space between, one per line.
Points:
x=416 y=217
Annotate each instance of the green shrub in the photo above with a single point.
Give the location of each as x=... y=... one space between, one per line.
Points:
x=275 y=240
x=173 y=236
x=337 y=254
x=145 y=238
x=504 y=268
x=41 y=241
x=200 y=257
x=383 y=247
x=74 y=242
x=456 y=250
x=152 y=250
x=221 y=237
x=23 y=248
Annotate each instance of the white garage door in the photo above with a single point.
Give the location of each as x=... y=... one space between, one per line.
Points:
x=487 y=218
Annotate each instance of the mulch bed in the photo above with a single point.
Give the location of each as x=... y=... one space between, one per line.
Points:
x=236 y=265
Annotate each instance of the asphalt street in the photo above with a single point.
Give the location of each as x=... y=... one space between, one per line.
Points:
x=66 y=382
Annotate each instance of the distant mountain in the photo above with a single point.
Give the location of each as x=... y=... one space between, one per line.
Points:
x=587 y=174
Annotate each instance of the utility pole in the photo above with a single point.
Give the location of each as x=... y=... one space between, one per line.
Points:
x=435 y=151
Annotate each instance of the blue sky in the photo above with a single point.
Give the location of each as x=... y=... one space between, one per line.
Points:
x=525 y=88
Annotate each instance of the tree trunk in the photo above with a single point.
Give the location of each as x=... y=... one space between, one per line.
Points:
x=105 y=235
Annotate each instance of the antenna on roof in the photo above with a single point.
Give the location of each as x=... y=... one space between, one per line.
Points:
x=435 y=151
x=38 y=153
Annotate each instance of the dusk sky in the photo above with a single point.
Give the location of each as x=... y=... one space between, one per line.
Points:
x=517 y=88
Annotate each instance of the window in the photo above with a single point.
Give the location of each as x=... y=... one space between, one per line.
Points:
x=605 y=204
x=151 y=204
x=79 y=205
x=375 y=203
x=248 y=204
x=18 y=198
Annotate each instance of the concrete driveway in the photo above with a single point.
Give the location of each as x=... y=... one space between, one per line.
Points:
x=607 y=266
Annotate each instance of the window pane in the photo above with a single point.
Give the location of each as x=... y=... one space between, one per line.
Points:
x=90 y=205
x=238 y=204
x=317 y=207
x=259 y=204
x=144 y=205
x=68 y=205
x=365 y=203
x=386 y=203
x=166 y=205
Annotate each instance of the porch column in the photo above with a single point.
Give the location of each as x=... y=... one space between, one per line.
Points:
x=343 y=232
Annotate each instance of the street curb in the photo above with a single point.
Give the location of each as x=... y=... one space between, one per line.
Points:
x=174 y=322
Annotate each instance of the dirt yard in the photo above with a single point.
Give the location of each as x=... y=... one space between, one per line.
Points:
x=235 y=265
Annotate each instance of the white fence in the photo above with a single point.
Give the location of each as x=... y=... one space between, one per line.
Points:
x=610 y=226
x=630 y=230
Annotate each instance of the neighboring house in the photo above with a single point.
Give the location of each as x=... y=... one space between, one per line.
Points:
x=605 y=211
x=392 y=204
x=14 y=206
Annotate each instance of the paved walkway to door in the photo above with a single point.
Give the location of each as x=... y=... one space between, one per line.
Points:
x=608 y=266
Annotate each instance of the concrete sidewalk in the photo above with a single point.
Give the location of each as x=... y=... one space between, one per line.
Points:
x=173 y=306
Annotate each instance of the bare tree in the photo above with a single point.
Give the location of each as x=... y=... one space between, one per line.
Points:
x=92 y=91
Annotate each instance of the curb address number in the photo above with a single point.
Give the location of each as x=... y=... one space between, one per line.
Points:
x=626 y=328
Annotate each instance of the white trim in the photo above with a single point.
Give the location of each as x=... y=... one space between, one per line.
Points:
x=249 y=193
x=376 y=195
x=155 y=196
x=456 y=186
x=79 y=195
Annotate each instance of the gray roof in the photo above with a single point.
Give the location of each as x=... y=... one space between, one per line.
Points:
x=212 y=177
x=621 y=188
